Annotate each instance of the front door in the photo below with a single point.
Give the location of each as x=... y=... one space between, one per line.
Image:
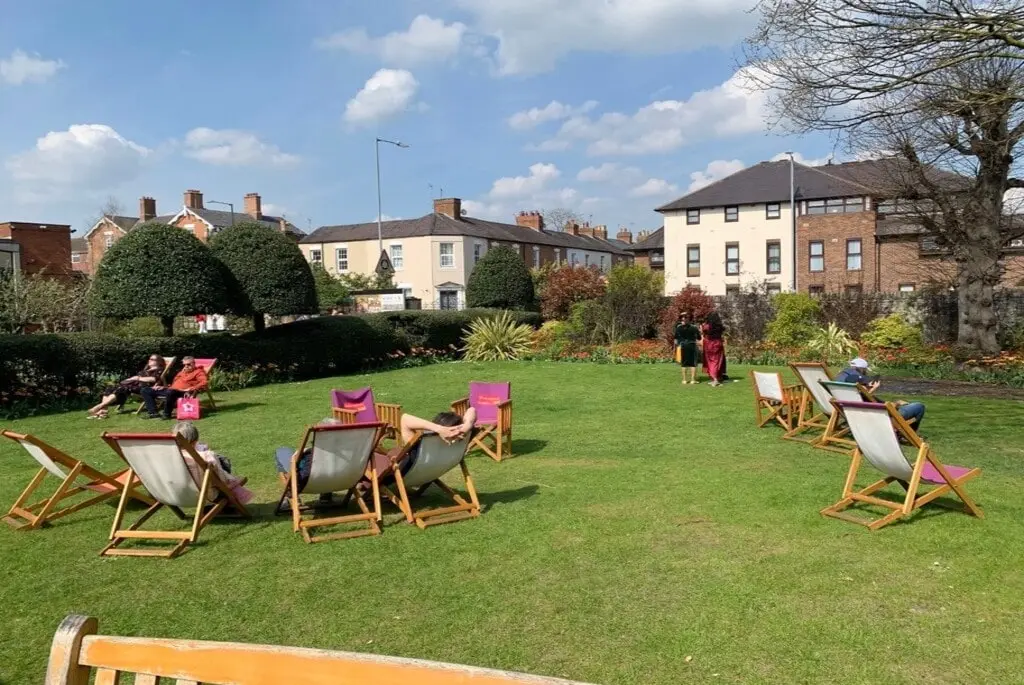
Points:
x=448 y=299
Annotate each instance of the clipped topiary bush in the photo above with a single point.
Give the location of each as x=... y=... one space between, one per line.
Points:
x=500 y=280
x=159 y=270
x=892 y=332
x=797 y=320
x=271 y=275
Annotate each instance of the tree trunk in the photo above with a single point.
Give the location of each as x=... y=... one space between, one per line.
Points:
x=978 y=323
x=168 y=323
x=258 y=322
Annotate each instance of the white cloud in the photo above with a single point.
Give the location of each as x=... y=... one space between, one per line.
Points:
x=732 y=108
x=426 y=40
x=230 y=147
x=800 y=159
x=270 y=209
x=85 y=158
x=511 y=194
x=608 y=172
x=533 y=34
x=386 y=93
x=22 y=67
x=715 y=171
x=553 y=111
x=521 y=186
x=654 y=187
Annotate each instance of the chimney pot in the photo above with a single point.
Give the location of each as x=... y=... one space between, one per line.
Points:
x=533 y=220
x=147 y=209
x=254 y=206
x=194 y=199
x=449 y=206
x=625 y=236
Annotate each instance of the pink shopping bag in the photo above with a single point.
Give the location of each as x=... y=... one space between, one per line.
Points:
x=188 y=408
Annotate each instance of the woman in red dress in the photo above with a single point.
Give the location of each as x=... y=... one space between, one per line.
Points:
x=714 y=347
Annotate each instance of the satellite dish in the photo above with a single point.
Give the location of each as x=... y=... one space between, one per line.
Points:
x=464 y=212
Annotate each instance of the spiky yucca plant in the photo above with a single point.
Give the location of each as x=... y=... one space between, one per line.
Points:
x=497 y=338
x=832 y=343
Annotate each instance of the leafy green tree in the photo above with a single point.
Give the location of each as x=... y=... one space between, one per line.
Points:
x=634 y=297
x=500 y=280
x=271 y=274
x=331 y=292
x=797 y=319
x=159 y=270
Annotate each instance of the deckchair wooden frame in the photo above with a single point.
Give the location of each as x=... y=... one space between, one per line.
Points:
x=40 y=513
x=836 y=436
x=768 y=409
x=208 y=368
x=305 y=526
x=498 y=434
x=204 y=512
x=811 y=425
x=162 y=380
x=78 y=651
x=912 y=500
x=389 y=414
x=431 y=517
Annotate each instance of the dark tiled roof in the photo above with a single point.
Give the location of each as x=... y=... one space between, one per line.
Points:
x=222 y=219
x=79 y=245
x=124 y=222
x=655 y=241
x=769 y=182
x=442 y=224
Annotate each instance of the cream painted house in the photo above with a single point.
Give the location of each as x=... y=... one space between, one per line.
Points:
x=740 y=230
x=434 y=255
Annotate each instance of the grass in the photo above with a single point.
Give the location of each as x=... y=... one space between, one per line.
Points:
x=641 y=524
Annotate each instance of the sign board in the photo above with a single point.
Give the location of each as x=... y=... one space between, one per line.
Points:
x=384 y=266
x=372 y=301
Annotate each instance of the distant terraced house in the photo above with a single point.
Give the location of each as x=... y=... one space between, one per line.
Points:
x=87 y=252
x=433 y=255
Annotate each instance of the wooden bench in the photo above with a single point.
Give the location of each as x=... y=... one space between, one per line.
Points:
x=77 y=650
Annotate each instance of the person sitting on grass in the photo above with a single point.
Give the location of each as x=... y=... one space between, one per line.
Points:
x=119 y=394
x=220 y=465
x=187 y=383
x=913 y=412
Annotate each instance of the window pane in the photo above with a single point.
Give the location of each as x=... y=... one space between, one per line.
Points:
x=817 y=264
x=693 y=216
x=773 y=211
x=732 y=213
x=732 y=252
x=817 y=249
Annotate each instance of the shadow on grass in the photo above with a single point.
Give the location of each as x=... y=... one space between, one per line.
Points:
x=523 y=447
x=489 y=499
x=232 y=407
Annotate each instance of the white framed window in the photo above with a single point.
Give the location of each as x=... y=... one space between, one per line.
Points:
x=907 y=287
x=558 y=256
x=108 y=240
x=853 y=254
x=732 y=259
x=536 y=257
x=817 y=256
x=732 y=214
x=341 y=259
x=602 y=262
x=316 y=257
x=397 y=260
x=772 y=210
x=478 y=249
x=76 y=257
x=692 y=216
x=447 y=255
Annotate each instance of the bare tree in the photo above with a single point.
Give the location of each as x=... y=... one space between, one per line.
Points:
x=940 y=84
x=556 y=218
x=110 y=207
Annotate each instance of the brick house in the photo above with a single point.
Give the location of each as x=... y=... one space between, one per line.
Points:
x=40 y=248
x=434 y=255
x=649 y=249
x=193 y=217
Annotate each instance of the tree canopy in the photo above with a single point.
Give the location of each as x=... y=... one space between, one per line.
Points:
x=159 y=270
x=268 y=269
x=500 y=280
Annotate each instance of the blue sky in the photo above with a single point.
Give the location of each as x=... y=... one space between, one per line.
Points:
x=607 y=108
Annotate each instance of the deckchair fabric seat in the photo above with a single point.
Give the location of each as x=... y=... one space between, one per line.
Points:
x=359 y=406
x=774 y=400
x=493 y=405
x=422 y=463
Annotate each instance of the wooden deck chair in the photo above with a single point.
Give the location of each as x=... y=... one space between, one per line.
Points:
x=168 y=363
x=773 y=400
x=837 y=433
x=69 y=470
x=359 y=406
x=158 y=460
x=872 y=427
x=815 y=405
x=422 y=463
x=207 y=366
x=341 y=457
x=78 y=653
x=493 y=404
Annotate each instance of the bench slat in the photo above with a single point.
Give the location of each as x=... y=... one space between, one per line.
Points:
x=106 y=676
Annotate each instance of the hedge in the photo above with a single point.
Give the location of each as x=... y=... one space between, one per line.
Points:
x=41 y=370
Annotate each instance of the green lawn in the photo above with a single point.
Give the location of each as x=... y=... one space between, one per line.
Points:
x=642 y=523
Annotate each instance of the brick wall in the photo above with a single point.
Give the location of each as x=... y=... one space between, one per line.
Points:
x=834 y=231
x=97 y=241
x=45 y=248
x=199 y=227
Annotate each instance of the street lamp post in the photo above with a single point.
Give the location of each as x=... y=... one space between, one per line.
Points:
x=226 y=204
x=792 y=211
x=380 y=235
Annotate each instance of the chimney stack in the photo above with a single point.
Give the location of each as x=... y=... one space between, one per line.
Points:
x=193 y=199
x=254 y=206
x=624 y=236
x=449 y=206
x=572 y=228
x=147 y=209
x=282 y=223
x=600 y=232
x=642 y=236
x=585 y=229
x=533 y=220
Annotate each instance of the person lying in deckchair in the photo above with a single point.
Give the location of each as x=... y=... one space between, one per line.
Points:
x=913 y=412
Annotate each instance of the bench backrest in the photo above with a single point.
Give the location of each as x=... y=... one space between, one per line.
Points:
x=77 y=651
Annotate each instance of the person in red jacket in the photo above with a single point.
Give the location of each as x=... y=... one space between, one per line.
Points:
x=187 y=383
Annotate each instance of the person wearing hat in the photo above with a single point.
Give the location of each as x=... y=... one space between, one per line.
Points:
x=913 y=412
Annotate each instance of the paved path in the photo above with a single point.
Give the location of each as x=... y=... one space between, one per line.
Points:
x=893 y=387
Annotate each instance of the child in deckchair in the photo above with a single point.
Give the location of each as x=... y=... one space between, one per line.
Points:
x=221 y=466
